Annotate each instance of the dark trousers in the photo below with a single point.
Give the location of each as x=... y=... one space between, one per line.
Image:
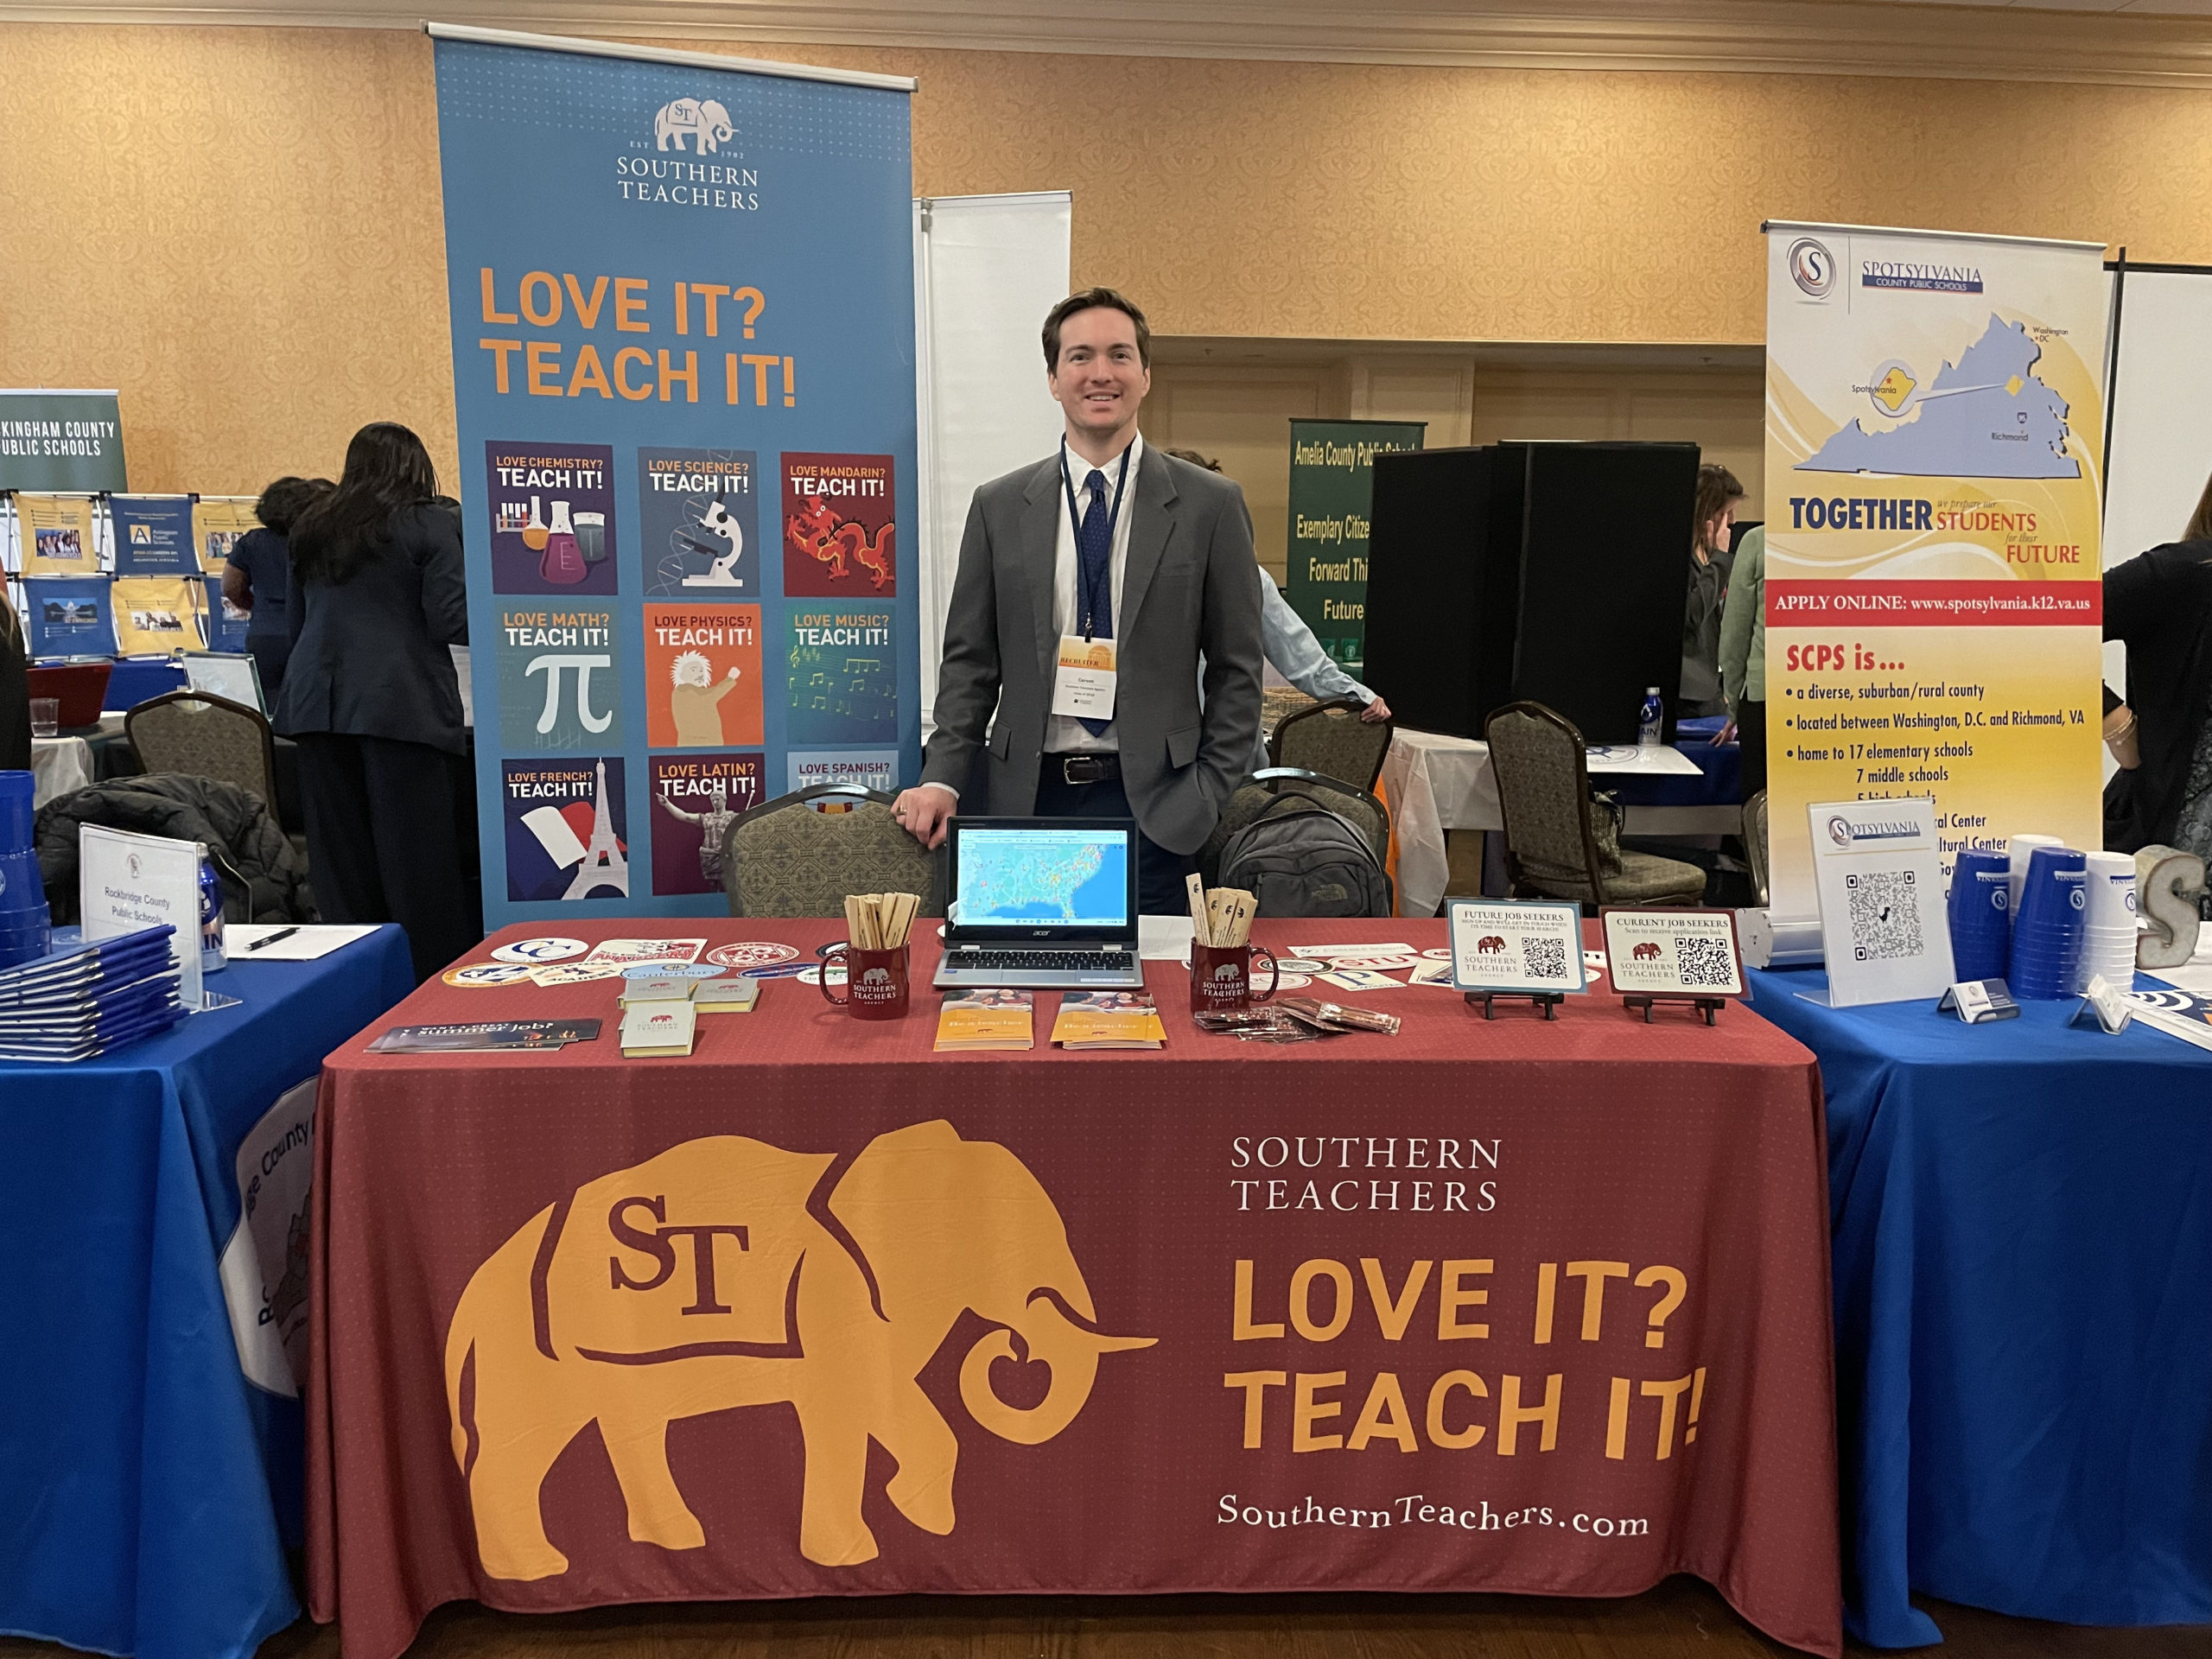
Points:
x=391 y=837
x=1160 y=872
x=1751 y=730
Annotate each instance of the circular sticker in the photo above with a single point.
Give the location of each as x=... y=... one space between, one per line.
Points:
x=480 y=974
x=752 y=953
x=1372 y=964
x=1302 y=965
x=547 y=949
x=1442 y=953
x=1290 y=981
x=673 y=971
x=813 y=975
x=776 y=970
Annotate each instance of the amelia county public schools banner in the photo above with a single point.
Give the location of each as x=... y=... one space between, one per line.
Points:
x=682 y=292
x=1332 y=497
x=1934 y=595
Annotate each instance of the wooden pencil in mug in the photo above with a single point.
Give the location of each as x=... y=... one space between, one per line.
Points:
x=1197 y=890
x=1241 y=906
x=904 y=905
x=1218 y=916
x=872 y=916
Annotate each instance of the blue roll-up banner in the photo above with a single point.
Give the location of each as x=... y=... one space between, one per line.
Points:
x=153 y=536
x=683 y=309
x=70 y=616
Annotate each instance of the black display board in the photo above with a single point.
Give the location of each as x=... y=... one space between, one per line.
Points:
x=1551 y=572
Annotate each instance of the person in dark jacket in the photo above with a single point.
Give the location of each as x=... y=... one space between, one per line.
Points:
x=372 y=699
x=257 y=575
x=1718 y=493
x=2160 y=603
x=15 y=689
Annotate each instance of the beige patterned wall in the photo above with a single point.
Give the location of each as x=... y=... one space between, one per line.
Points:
x=241 y=227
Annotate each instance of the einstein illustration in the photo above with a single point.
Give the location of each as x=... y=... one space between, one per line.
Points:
x=696 y=700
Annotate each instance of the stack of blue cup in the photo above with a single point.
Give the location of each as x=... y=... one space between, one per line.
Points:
x=26 y=931
x=2047 y=938
x=1980 y=915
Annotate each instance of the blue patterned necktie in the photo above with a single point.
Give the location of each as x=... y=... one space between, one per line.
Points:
x=1094 y=545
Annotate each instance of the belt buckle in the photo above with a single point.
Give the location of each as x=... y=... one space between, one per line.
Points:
x=1080 y=769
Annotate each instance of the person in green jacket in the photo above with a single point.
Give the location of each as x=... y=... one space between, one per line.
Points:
x=1743 y=656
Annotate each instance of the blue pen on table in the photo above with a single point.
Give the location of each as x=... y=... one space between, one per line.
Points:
x=281 y=933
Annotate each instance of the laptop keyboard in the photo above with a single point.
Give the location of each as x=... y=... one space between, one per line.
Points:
x=1048 y=961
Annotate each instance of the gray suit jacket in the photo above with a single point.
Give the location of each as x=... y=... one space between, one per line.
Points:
x=1190 y=589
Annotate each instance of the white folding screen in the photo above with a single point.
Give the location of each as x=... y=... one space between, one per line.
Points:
x=986 y=268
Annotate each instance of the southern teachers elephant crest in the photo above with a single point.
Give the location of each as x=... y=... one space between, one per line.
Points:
x=722 y=1274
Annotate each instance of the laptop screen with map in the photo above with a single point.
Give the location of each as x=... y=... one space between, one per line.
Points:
x=1056 y=879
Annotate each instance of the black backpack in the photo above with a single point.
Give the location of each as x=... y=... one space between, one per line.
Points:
x=1298 y=858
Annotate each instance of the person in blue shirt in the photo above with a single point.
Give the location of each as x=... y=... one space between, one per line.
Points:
x=1291 y=649
x=256 y=577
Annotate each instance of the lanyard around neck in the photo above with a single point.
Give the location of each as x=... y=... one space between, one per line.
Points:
x=1075 y=526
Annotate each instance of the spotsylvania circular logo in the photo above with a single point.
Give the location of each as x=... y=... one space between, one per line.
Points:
x=1812 y=267
x=1839 y=832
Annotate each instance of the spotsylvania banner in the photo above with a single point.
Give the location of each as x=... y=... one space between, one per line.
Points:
x=682 y=292
x=1934 y=452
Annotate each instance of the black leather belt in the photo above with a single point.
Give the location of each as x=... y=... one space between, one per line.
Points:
x=1086 y=768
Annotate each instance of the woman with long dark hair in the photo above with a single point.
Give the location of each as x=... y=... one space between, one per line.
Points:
x=2160 y=603
x=371 y=697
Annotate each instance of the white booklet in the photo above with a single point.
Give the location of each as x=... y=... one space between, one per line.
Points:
x=306 y=942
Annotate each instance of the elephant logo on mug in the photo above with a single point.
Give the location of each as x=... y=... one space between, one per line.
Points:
x=727 y=1272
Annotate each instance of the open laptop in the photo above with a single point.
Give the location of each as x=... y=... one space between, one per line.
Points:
x=1042 y=904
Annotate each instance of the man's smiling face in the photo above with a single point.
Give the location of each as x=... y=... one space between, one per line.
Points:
x=1100 y=378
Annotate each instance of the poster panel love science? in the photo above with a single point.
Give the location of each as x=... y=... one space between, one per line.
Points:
x=1933 y=571
x=676 y=286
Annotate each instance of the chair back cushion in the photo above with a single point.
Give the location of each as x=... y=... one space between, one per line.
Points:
x=785 y=858
x=1541 y=788
x=1332 y=739
x=206 y=738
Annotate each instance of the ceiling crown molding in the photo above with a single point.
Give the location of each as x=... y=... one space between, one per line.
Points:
x=1813 y=37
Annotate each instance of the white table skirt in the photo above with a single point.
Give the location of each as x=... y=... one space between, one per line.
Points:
x=59 y=765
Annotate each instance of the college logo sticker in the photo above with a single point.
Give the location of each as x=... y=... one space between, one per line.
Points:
x=752 y=953
x=546 y=949
x=715 y=1249
x=478 y=974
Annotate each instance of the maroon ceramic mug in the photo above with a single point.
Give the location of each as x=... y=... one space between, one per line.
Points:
x=1221 y=977
x=875 y=981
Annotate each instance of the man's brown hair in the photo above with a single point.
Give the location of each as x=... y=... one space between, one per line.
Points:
x=1091 y=299
x=2200 y=522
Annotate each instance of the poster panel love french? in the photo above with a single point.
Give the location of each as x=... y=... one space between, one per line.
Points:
x=1935 y=430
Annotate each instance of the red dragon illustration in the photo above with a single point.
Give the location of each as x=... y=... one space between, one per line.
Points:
x=832 y=541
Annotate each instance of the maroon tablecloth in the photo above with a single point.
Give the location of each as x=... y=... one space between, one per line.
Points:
x=1516 y=1305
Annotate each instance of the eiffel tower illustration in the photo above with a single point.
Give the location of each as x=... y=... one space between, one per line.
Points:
x=604 y=865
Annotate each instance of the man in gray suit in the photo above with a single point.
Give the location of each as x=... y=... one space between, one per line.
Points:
x=1107 y=547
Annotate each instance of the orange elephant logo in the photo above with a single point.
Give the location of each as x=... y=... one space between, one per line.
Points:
x=727 y=1272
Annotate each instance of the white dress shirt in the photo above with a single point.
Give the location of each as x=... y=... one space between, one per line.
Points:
x=1065 y=734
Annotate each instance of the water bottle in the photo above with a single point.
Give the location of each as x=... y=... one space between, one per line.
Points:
x=1647 y=723
x=214 y=955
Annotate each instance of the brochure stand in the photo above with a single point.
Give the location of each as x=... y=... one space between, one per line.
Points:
x=1673 y=955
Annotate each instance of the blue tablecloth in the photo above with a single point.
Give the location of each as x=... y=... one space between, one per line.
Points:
x=2023 y=1246
x=1719 y=773
x=147 y=1489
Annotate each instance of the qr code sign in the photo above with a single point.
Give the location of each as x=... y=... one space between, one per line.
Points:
x=1543 y=958
x=1884 y=920
x=1703 y=962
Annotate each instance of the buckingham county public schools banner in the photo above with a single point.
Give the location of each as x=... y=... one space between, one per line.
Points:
x=683 y=361
x=1331 y=493
x=71 y=442
x=1933 y=458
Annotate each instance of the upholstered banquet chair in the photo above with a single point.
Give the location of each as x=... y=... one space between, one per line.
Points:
x=1552 y=847
x=1331 y=738
x=207 y=736
x=1755 y=842
x=789 y=858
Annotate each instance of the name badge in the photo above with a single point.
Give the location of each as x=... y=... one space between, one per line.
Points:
x=1083 y=687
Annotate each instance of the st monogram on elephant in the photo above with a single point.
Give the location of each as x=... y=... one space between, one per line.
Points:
x=719 y=1275
x=706 y=122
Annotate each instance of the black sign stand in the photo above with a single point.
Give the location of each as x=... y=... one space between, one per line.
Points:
x=1709 y=1005
x=1546 y=1000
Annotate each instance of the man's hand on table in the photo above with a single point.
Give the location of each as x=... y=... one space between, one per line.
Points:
x=922 y=811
